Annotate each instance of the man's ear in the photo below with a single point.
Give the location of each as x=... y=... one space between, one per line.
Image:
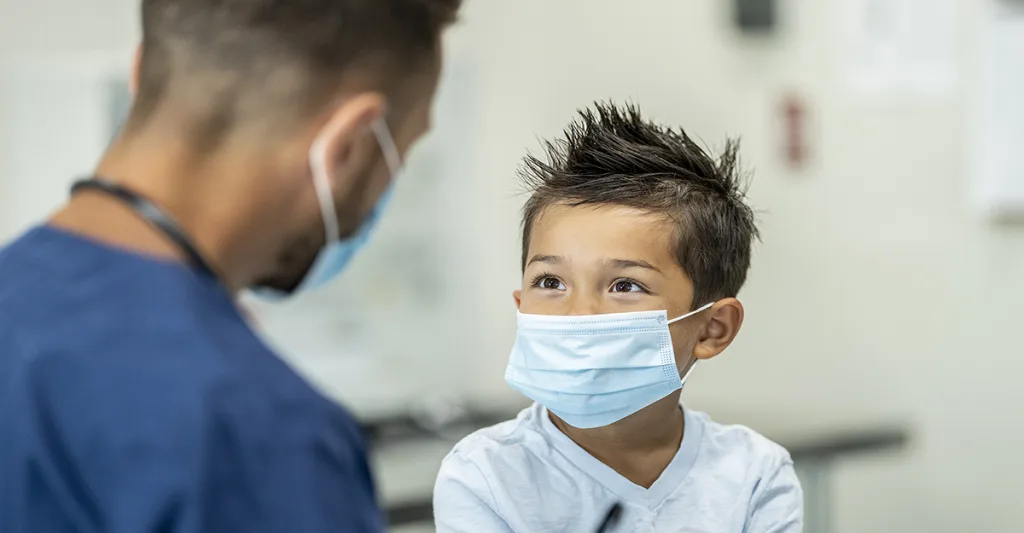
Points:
x=517 y=295
x=724 y=322
x=133 y=81
x=346 y=132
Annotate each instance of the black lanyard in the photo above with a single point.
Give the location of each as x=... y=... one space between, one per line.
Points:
x=611 y=518
x=146 y=209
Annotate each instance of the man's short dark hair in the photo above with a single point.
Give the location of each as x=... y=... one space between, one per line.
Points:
x=611 y=156
x=291 y=50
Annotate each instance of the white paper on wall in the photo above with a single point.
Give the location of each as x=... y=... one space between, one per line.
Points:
x=898 y=46
x=997 y=113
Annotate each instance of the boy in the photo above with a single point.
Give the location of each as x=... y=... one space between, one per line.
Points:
x=635 y=244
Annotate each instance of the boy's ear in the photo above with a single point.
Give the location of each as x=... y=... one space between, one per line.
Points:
x=726 y=317
x=517 y=295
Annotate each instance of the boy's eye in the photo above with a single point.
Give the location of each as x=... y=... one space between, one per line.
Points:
x=625 y=285
x=550 y=283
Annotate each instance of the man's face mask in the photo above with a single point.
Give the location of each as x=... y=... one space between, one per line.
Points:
x=338 y=253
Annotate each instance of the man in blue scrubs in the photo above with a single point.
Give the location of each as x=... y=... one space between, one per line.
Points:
x=262 y=145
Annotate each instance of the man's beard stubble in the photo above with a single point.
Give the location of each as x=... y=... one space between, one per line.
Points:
x=294 y=263
x=298 y=257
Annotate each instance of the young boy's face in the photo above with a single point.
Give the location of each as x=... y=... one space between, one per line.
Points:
x=599 y=259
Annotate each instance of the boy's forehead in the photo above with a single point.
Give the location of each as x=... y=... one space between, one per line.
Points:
x=601 y=231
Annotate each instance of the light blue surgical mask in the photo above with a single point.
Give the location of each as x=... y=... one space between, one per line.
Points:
x=338 y=253
x=592 y=371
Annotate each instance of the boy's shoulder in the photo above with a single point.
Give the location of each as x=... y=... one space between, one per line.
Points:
x=738 y=445
x=522 y=431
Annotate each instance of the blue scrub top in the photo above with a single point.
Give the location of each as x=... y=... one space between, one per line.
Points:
x=134 y=398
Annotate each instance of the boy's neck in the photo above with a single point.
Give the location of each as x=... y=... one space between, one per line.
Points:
x=638 y=447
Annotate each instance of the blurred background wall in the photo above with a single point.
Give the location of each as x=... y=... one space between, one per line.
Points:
x=879 y=293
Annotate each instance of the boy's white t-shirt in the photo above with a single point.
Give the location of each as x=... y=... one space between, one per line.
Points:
x=526 y=476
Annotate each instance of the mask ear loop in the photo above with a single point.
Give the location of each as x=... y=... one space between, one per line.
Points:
x=387 y=146
x=322 y=183
x=318 y=165
x=691 y=313
x=688 y=315
x=690 y=371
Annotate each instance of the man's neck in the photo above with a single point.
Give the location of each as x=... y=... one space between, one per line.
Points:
x=638 y=447
x=112 y=222
x=191 y=194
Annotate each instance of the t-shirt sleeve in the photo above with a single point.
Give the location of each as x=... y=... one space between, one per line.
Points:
x=463 y=501
x=778 y=505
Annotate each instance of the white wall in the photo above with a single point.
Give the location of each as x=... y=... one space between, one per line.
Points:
x=64 y=26
x=876 y=292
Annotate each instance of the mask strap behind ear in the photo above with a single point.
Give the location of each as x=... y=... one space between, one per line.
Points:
x=322 y=183
x=690 y=370
x=387 y=146
x=691 y=313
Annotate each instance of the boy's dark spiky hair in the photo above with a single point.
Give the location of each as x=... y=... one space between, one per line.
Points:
x=611 y=155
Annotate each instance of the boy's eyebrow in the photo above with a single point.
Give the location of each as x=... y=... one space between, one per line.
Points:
x=632 y=263
x=549 y=259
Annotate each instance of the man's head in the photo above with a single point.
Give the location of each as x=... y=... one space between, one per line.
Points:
x=257 y=82
x=625 y=215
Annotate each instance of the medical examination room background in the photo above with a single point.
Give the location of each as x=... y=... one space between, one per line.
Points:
x=888 y=293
